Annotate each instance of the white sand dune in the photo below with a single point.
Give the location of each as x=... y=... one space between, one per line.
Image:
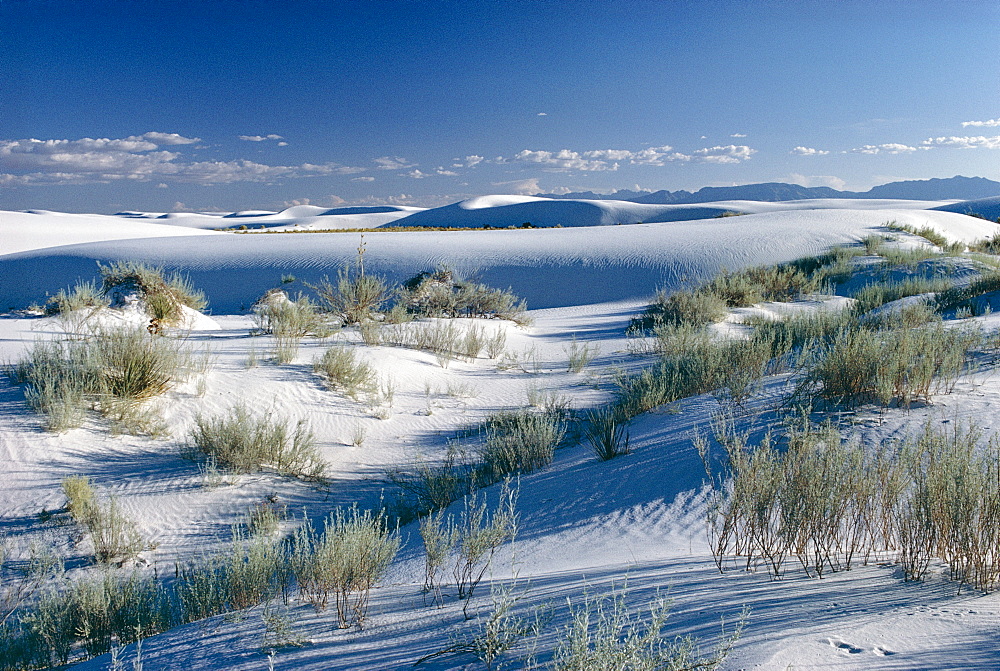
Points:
x=585 y=524
x=984 y=207
x=25 y=231
x=549 y=267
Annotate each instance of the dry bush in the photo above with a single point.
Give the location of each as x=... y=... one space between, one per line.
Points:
x=343 y=562
x=245 y=442
x=163 y=295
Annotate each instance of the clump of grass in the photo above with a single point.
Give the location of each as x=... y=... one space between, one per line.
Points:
x=245 y=442
x=928 y=233
x=876 y=294
x=81 y=296
x=519 y=442
x=356 y=297
x=580 y=355
x=114 y=536
x=342 y=370
x=894 y=366
x=442 y=293
x=163 y=295
x=430 y=486
x=115 y=371
x=605 y=634
x=605 y=431
x=343 y=562
x=989 y=245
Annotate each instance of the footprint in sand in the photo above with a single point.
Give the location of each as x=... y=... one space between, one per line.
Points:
x=846 y=648
x=882 y=652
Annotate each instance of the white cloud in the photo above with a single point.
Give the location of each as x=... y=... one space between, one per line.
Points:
x=738 y=135
x=991 y=122
x=167 y=138
x=542 y=114
x=611 y=159
x=888 y=148
x=808 y=151
x=161 y=185
x=967 y=142
x=564 y=159
x=472 y=161
x=262 y=138
x=520 y=187
x=138 y=158
x=728 y=154
x=447 y=173
x=816 y=180
x=416 y=174
x=363 y=179
x=393 y=163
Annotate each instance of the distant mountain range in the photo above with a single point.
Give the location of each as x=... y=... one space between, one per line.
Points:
x=954 y=188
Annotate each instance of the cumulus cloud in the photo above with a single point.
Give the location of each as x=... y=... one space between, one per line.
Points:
x=393 y=163
x=416 y=174
x=448 y=173
x=817 y=180
x=991 y=122
x=888 y=148
x=611 y=159
x=136 y=158
x=262 y=138
x=967 y=142
x=520 y=187
x=808 y=151
x=728 y=154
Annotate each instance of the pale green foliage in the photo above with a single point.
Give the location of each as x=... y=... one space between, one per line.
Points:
x=343 y=562
x=164 y=295
x=519 y=441
x=479 y=533
x=604 y=635
x=113 y=535
x=342 y=369
x=246 y=443
x=605 y=431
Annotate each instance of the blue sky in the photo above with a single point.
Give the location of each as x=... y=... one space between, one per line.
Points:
x=171 y=105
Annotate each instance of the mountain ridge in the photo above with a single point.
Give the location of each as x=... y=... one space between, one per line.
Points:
x=951 y=188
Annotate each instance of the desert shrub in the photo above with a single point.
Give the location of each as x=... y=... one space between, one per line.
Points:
x=60 y=379
x=694 y=308
x=605 y=431
x=442 y=293
x=479 y=532
x=164 y=295
x=605 y=635
x=356 y=297
x=114 y=371
x=580 y=355
x=439 y=537
x=433 y=486
x=344 y=561
x=896 y=366
x=519 y=442
x=732 y=369
x=288 y=321
x=247 y=443
x=965 y=296
x=342 y=369
x=82 y=295
x=444 y=338
x=989 y=245
x=113 y=535
x=877 y=294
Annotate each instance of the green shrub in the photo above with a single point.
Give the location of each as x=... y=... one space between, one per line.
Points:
x=344 y=561
x=479 y=532
x=356 y=297
x=433 y=486
x=163 y=295
x=342 y=370
x=288 y=321
x=965 y=296
x=896 y=366
x=877 y=294
x=441 y=293
x=606 y=433
x=247 y=443
x=605 y=635
x=519 y=442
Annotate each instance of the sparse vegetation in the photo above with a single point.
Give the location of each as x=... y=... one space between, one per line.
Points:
x=164 y=296
x=341 y=369
x=246 y=442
